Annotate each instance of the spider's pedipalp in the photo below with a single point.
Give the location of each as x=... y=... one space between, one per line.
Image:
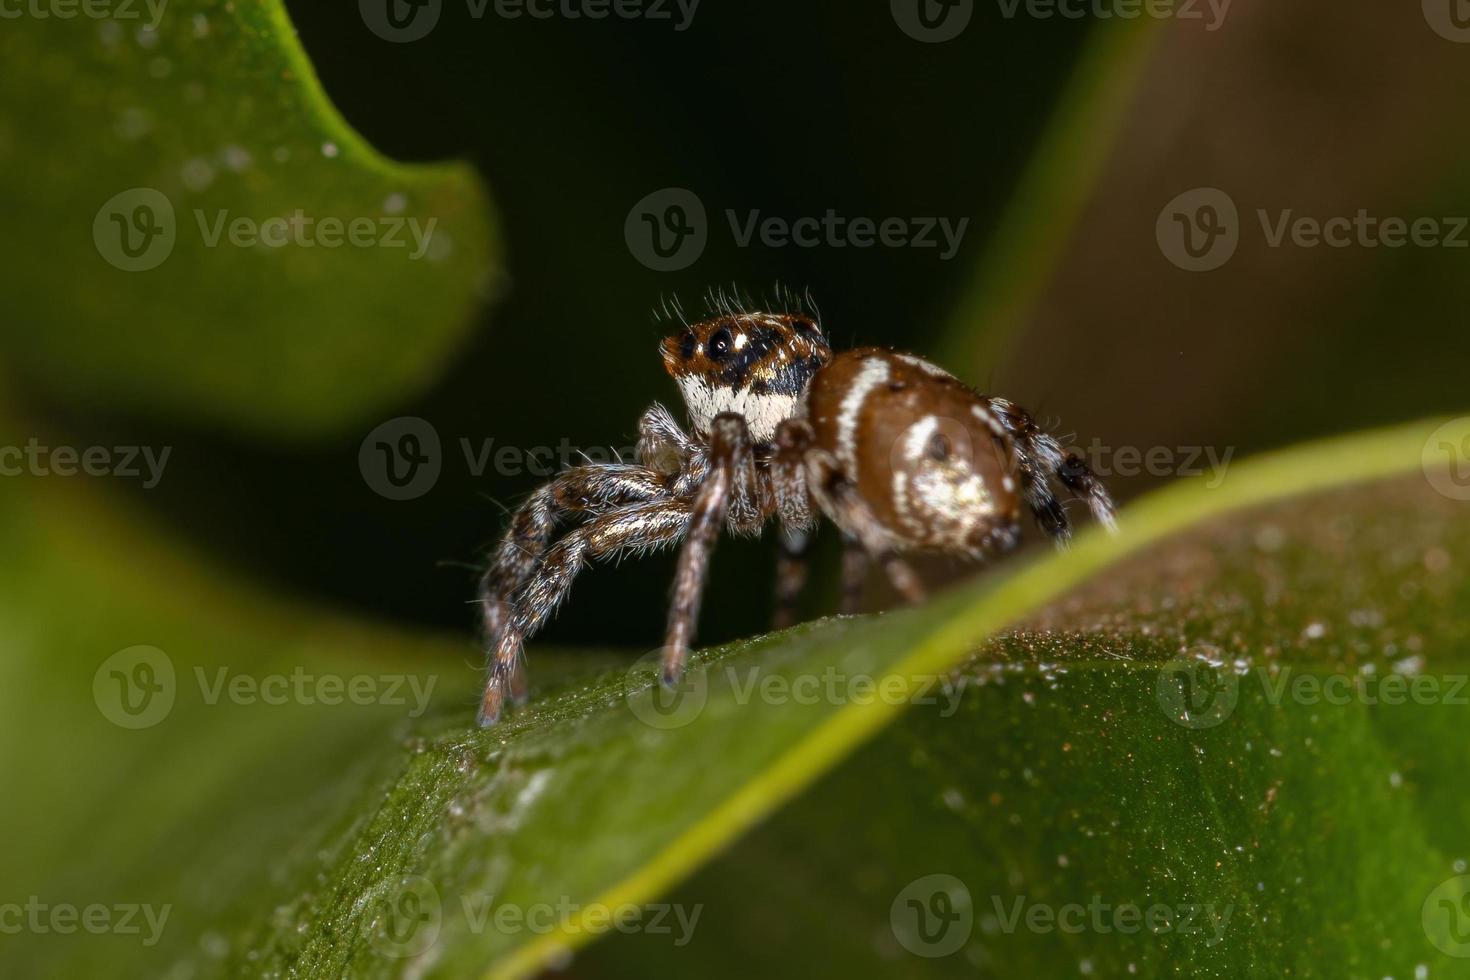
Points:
x=663 y=446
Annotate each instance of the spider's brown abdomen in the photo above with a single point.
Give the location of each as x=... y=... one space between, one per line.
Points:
x=923 y=450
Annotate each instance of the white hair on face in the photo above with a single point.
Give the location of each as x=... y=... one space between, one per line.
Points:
x=762 y=412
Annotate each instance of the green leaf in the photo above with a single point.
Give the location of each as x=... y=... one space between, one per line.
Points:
x=248 y=259
x=330 y=839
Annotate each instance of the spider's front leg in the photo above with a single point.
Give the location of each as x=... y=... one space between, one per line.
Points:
x=594 y=489
x=639 y=527
x=729 y=480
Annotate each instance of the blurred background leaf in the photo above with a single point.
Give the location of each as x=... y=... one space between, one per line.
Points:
x=153 y=160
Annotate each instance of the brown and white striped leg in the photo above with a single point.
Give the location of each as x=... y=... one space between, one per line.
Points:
x=854 y=575
x=841 y=502
x=730 y=451
x=640 y=527
x=585 y=489
x=1039 y=459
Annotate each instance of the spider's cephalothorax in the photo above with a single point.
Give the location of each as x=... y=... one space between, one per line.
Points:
x=755 y=365
x=897 y=453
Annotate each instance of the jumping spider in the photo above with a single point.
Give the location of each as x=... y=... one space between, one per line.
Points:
x=899 y=454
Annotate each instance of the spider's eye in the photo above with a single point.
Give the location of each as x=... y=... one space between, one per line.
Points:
x=720 y=344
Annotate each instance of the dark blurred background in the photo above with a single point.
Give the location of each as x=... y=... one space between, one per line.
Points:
x=793 y=109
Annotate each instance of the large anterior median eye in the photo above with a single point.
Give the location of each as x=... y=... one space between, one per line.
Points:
x=720 y=344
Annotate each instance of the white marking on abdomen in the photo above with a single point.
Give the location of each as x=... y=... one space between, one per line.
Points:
x=874 y=372
x=924 y=365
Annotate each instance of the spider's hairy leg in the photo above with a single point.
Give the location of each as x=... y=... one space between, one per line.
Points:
x=792 y=568
x=854 y=575
x=1039 y=459
x=794 y=511
x=729 y=456
x=593 y=489
x=638 y=527
x=842 y=503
